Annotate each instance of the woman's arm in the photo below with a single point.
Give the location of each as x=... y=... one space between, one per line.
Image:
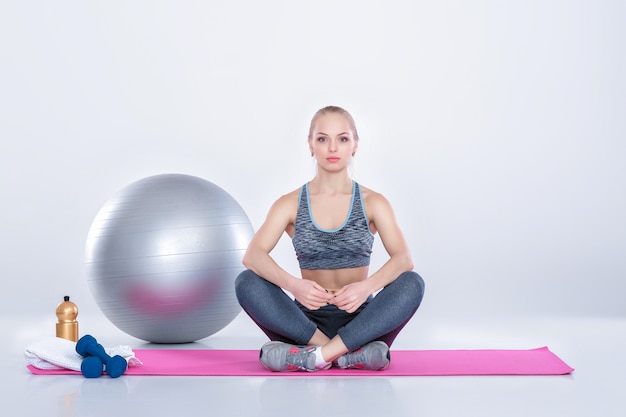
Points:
x=257 y=257
x=383 y=220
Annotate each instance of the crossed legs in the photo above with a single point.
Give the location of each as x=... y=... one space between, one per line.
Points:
x=337 y=332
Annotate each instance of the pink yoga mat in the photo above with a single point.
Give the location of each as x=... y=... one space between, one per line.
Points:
x=539 y=361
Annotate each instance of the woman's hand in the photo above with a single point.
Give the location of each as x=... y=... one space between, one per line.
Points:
x=352 y=296
x=309 y=293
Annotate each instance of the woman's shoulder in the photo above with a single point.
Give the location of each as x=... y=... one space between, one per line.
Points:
x=373 y=199
x=294 y=194
x=288 y=201
x=370 y=194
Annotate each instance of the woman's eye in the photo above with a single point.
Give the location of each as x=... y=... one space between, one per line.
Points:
x=343 y=139
x=321 y=139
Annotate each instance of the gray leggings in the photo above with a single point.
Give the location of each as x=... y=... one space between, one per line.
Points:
x=379 y=318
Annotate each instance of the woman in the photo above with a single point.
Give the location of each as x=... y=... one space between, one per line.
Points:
x=334 y=317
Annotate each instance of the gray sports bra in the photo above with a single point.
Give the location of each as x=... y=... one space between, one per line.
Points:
x=349 y=246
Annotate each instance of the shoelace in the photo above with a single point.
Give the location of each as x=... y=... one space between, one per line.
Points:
x=355 y=359
x=297 y=358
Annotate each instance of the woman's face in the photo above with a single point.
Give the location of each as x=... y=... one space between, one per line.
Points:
x=332 y=141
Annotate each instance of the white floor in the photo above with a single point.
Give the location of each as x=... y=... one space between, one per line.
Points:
x=596 y=348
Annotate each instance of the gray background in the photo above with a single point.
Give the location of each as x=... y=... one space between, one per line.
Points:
x=495 y=128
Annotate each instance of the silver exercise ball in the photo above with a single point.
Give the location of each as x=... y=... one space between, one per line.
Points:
x=162 y=256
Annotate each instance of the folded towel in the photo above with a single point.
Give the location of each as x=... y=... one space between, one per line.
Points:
x=59 y=353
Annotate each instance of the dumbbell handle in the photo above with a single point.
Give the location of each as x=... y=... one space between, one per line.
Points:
x=88 y=346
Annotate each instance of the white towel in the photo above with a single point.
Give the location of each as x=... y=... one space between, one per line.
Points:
x=59 y=353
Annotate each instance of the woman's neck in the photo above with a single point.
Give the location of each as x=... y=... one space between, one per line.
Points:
x=331 y=183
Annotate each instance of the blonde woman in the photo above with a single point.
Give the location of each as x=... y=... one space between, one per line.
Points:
x=334 y=317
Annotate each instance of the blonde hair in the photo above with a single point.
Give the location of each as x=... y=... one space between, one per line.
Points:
x=333 y=109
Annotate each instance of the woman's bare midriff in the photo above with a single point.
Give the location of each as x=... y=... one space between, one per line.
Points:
x=335 y=279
